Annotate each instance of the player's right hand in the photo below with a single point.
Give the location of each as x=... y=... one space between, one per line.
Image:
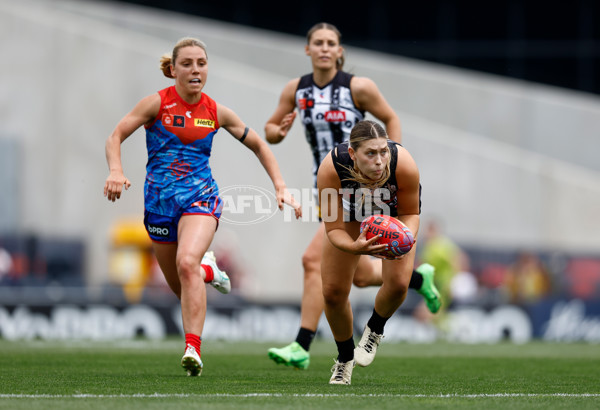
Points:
x=365 y=246
x=114 y=186
x=286 y=123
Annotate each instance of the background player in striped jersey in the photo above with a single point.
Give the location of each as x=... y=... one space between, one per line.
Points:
x=330 y=102
x=181 y=198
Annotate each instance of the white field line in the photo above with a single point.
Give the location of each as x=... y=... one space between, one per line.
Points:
x=218 y=395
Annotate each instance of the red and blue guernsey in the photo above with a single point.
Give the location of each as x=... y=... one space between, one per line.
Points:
x=179 y=143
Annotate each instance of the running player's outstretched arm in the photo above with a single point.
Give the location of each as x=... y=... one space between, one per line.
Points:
x=236 y=127
x=368 y=97
x=142 y=113
x=278 y=126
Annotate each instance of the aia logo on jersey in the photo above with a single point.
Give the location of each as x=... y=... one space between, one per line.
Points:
x=304 y=103
x=335 y=116
x=173 y=120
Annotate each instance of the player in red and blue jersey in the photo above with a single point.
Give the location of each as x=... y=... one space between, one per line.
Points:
x=178 y=175
x=182 y=204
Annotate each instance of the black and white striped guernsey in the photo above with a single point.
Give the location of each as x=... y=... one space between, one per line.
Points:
x=328 y=114
x=358 y=201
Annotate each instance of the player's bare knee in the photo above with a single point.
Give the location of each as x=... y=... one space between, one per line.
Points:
x=334 y=297
x=311 y=264
x=397 y=285
x=361 y=281
x=187 y=266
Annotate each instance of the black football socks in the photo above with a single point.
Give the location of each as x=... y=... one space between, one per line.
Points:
x=376 y=323
x=345 y=350
x=416 y=281
x=305 y=338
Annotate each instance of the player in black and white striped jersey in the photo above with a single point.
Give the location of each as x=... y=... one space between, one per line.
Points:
x=330 y=102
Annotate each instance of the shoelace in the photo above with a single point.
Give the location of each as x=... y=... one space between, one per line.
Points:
x=339 y=369
x=372 y=341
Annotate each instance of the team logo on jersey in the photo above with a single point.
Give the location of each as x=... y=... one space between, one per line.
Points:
x=199 y=122
x=335 y=116
x=179 y=168
x=304 y=103
x=173 y=120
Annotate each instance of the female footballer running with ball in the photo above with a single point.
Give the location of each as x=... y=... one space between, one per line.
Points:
x=330 y=101
x=369 y=161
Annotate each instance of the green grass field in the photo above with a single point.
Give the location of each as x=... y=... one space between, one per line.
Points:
x=146 y=375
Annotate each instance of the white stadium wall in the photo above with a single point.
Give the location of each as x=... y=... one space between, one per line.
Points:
x=503 y=163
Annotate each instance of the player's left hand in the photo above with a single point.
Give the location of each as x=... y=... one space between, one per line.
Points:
x=284 y=197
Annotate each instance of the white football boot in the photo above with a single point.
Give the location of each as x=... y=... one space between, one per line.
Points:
x=342 y=372
x=191 y=361
x=220 y=281
x=364 y=353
